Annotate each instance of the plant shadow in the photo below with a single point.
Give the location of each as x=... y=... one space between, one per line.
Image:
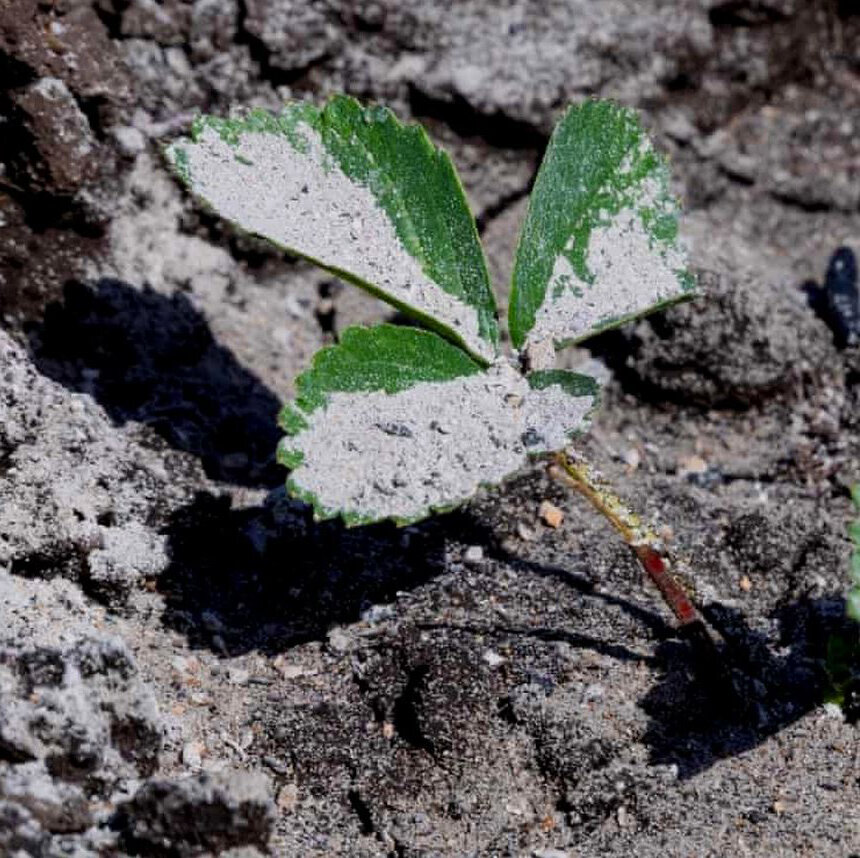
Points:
x=707 y=706
x=698 y=718
x=265 y=576
x=269 y=577
x=152 y=359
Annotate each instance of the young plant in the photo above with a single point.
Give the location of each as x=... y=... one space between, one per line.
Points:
x=399 y=422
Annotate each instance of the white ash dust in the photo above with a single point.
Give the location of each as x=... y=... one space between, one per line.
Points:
x=44 y=516
x=431 y=446
x=629 y=275
x=302 y=202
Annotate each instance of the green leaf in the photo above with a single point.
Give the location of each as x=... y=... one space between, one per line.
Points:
x=852 y=604
x=396 y=423
x=573 y=383
x=389 y=358
x=842 y=662
x=358 y=193
x=600 y=243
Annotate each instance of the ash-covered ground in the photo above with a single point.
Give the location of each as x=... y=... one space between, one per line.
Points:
x=189 y=665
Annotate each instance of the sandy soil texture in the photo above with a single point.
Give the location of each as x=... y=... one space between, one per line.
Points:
x=190 y=666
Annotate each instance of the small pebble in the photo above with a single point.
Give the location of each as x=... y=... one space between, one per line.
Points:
x=339 y=640
x=473 y=554
x=238 y=676
x=192 y=754
x=287 y=669
x=517 y=806
x=377 y=614
x=593 y=692
x=550 y=514
x=179 y=664
x=632 y=458
x=275 y=765
x=288 y=797
x=691 y=465
x=129 y=140
x=493 y=658
x=832 y=710
x=524 y=532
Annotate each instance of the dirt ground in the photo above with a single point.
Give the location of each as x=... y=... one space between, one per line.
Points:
x=190 y=665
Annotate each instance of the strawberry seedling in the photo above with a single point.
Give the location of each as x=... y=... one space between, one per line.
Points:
x=400 y=422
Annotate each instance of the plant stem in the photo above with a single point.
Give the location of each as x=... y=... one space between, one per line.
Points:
x=640 y=536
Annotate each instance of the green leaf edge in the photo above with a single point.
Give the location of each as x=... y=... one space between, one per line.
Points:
x=519 y=334
x=573 y=383
x=309 y=397
x=612 y=322
x=259 y=120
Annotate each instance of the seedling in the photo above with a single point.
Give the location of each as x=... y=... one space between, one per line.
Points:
x=399 y=422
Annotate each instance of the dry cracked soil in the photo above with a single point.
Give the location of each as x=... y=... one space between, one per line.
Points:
x=189 y=665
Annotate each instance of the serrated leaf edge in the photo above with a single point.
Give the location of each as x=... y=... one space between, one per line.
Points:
x=258 y=120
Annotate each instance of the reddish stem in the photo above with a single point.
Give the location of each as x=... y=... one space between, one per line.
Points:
x=671 y=589
x=642 y=539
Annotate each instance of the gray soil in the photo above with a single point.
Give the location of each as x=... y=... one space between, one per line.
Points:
x=190 y=666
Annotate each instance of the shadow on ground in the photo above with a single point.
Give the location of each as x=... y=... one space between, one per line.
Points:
x=152 y=359
x=697 y=720
x=270 y=577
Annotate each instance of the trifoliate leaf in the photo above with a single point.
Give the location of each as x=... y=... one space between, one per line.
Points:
x=357 y=192
x=600 y=241
x=396 y=423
